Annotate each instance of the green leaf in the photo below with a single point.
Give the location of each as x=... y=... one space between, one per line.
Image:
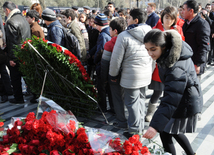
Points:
x=46 y=152
x=13 y=148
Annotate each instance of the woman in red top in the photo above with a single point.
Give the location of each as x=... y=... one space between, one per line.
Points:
x=167 y=21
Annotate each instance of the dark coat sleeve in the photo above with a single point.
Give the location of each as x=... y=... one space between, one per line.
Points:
x=175 y=84
x=203 y=42
x=12 y=31
x=100 y=46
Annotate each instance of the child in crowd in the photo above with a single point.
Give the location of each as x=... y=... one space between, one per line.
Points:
x=168 y=21
x=122 y=13
x=131 y=59
x=32 y=17
x=101 y=22
x=182 y=100
x=116 y=27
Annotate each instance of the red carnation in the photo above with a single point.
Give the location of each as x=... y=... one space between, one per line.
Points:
x=54 y=152
x=145 y=150
x=67 y=52
x=134 y=139
x=80 y=130
x=82 y=138
x=128 y=147
x=1 y=124
x=30 y=117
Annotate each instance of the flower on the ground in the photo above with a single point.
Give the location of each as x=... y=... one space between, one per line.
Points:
x=42 y=137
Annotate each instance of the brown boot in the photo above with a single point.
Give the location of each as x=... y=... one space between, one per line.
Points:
x=150 y=111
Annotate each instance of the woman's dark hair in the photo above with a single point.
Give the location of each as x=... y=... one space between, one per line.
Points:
x=33 y=13
x=159 y=38
x=172 y=12
x=119 y=24
x=139 y=14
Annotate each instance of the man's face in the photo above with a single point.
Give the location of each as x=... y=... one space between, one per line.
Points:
x=67 y=20
x=111 y=8
x=186 y=12
x=208 y=7
x=149 y=9
x=122 y=15
x=86 y=11
x=6 y=11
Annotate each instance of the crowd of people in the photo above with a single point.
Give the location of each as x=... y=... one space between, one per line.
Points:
x=126 y=51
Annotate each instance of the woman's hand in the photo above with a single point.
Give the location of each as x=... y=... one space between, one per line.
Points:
x=150 y=133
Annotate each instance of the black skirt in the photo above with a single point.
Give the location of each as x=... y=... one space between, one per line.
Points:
x=182 y=125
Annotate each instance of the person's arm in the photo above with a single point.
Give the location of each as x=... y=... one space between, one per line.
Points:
x=203 y=42
x=12 y=32
x=57 y=35
x=105 y=65
x=117 y=58
x=100 y=47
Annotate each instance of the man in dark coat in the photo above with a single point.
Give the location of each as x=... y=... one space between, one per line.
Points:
x=197 y=35
x=152 y=16
x=17 y=29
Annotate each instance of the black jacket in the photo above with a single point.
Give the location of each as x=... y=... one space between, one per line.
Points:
x=182 y=92
x=17 y=29
x=197 y=35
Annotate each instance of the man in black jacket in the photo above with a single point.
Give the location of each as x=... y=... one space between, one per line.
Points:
x=197 y=35
x=17 y=29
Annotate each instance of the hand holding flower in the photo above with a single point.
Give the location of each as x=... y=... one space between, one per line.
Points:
x=150 y=133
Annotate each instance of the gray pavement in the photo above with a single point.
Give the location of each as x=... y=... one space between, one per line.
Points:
x=202 y=141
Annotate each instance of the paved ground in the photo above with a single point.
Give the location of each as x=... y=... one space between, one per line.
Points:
x=202 y=141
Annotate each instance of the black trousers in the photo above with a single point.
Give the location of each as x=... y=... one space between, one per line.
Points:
x=6 y=88
x=103 y=89
x=15 y=76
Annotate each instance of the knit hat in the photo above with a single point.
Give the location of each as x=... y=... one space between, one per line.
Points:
x=49 y=15
x=101 y=20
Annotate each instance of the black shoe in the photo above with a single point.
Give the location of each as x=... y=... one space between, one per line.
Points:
x=116 y=125
x=33 y=100
x=4 y=98
x=16 y=101
x=127 y=134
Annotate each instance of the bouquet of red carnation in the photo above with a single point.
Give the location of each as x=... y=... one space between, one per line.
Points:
x=56 y=133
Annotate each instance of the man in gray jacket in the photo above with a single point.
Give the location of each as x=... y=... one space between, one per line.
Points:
x=131 y=58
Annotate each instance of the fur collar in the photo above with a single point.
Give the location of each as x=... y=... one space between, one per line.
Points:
x=12 y=13
x=171 y=56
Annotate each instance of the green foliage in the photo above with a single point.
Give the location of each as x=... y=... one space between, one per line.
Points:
x=60 y=74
